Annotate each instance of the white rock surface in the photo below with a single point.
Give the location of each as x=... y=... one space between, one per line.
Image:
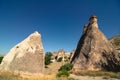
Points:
x=25 y=57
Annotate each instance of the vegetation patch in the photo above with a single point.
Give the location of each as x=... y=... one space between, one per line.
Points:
x=59 y=59
x=1 y=58
x=48 y=56
x=67 y=67
x=66 y=59
x=63 y=73
x=117 y=43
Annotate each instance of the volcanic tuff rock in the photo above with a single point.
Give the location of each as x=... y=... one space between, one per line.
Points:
x=94 y=52
x=61 y=53
x=72 y=54
x=26 y=57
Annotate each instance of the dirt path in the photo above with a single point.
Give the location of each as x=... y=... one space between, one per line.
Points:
x=53 y=67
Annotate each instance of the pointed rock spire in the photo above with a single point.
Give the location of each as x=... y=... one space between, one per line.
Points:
x=93 y=21
x=94 y=52
x=27 y=57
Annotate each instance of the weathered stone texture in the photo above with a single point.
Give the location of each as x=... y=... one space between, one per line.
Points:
x=94 y=52
x=25 y=57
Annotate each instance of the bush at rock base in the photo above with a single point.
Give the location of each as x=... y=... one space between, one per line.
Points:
x=67 y=67
x=63 y=73
x=48 y=58
x=59 y=59
x=1 y=59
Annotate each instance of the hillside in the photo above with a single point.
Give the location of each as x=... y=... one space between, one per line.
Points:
x=115 y=41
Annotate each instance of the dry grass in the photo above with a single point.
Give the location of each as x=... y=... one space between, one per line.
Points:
x=97 y=73
x=10 y=76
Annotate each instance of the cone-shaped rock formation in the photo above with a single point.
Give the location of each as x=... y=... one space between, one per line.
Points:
x=26 y=57
x=94 y=52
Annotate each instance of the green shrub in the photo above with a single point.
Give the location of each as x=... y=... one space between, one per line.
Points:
x=66 y=58
x=48 y=56
x=1 y=59
x=67 y=67
x=63 y=73
x=117 y=43
x=59 y=59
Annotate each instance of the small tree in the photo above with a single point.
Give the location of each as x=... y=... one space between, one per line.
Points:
x=63 y=73
x=67 y=67
x=59 y=59
x=48 y=58
x=1 y=59
x=66 y=58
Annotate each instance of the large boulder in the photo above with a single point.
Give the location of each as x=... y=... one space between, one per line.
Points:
x=94 y=52
x=27 y=57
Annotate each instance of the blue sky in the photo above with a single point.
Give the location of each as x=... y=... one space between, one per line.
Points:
x=60 y=22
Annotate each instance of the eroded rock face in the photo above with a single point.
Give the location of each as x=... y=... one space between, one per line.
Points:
x=61 y=53
x=94 y=52
x=72 y=54
x=26 y=57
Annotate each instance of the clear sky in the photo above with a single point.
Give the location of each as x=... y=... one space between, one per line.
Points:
x=60 y=22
